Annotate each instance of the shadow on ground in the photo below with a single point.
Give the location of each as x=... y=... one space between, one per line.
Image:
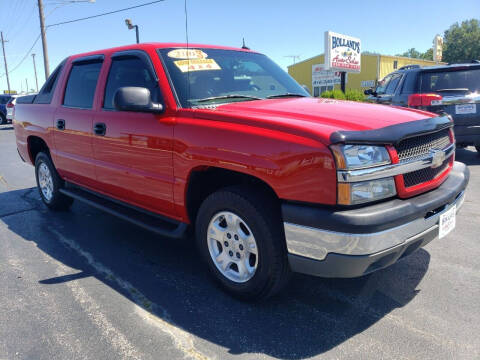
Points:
x=468 y=156
x=310 y=317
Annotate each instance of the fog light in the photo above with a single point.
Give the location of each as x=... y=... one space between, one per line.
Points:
x=366 y=191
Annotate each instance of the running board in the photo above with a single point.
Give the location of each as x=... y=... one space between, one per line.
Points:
x=143 y=218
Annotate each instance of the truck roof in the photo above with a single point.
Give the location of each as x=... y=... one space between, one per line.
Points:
x=156 y=45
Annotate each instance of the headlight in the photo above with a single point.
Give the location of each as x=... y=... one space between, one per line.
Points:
x=360 y=156
x=355 y=157
x=366 y=191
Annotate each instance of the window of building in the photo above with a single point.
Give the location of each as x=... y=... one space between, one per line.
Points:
x=395 y=64
x=81 y=85
x=319 y=90
x=129 y=71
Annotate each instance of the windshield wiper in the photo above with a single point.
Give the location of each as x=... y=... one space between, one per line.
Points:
x=285 y=95
x=231 y=96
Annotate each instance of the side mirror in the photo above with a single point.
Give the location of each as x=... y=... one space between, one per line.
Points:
x=305 y=87
x=369 y=92
x=131 y=98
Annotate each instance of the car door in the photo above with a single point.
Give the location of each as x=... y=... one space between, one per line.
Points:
x=133 y=150
x=407 y=86
x=73 y=122
x=389 y=90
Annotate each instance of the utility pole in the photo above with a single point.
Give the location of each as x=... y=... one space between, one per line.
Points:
x=35 y=70
x=26 y=81
x=294 y=57
x=5 y=60
x=44 y=38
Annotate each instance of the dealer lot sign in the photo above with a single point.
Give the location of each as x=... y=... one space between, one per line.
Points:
x=342 y=52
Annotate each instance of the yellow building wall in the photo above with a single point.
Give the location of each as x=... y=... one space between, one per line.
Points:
x=302 y=72
x=374 y=67
x=368 y=72
x=386 y=63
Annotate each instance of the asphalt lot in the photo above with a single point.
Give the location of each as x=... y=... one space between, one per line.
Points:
x=86 y=285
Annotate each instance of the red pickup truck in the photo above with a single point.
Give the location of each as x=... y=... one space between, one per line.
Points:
x=222 y=140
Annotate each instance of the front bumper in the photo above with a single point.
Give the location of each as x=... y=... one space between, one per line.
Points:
x=371 y=237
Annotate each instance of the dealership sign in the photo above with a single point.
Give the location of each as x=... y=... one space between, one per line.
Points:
x=324 y=77
x=342 y=52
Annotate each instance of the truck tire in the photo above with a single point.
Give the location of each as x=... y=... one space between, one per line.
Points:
x=49 y=184
x=240 y=236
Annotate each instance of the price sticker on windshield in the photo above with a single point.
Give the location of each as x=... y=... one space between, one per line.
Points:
x=187 y=54
x=197 y=65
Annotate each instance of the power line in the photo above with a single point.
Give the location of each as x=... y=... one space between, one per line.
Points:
x=103 y=14
x=76 y=20
x=23 y=59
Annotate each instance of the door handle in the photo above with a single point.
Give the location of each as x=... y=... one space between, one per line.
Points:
x=100 y=129
x=61 y=124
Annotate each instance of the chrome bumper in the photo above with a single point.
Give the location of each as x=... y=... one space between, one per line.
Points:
x=316 y=243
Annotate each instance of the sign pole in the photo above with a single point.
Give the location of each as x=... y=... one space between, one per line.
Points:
x=342 y=81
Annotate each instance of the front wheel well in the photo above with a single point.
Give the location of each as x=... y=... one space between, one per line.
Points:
x=36 y=145
x=204 y=182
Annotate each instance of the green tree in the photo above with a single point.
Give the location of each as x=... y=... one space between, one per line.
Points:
x=415 y=54
x=462 y=42
x=411 y=53
x=428 y=55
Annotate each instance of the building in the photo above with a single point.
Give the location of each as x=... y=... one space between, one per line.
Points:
x=374 y=67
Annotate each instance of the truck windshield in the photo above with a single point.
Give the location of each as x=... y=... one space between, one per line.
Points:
x=216 y=76
x=454 y=82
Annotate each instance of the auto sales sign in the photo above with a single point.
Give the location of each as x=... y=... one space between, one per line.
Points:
x=342 y=52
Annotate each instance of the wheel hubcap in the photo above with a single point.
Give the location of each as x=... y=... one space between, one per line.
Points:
x=45 y=181
x=232 y=247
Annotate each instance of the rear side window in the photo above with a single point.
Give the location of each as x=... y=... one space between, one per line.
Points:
x=81 y=84
x=45 y=94
x=462 y=81
x=410 y=83
x=392 y=85
x=129 y=71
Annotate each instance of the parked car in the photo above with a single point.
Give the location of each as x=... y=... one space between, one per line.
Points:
x=452 y=89
x=4 y=99
x=223 y=141
x=10 y=107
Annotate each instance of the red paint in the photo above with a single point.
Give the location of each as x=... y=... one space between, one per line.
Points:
x=423 y=99
x=147 y=159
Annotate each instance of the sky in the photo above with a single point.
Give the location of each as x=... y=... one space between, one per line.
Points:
x=276 y=28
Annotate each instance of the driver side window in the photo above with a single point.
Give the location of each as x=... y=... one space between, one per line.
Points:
x=382 y=85
x=129 y=71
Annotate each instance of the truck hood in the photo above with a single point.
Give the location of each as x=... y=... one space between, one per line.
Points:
x=315 y=116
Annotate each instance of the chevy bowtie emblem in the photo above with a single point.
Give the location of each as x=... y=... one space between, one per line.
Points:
x=438 y=157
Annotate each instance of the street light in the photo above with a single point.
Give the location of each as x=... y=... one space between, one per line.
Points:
x=128 y=22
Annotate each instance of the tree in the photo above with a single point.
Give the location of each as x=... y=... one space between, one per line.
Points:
x=411 y=53
x=462 y=42
x=415 y=54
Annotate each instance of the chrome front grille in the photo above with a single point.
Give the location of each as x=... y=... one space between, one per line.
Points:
x=419 y=146
x=423 y=175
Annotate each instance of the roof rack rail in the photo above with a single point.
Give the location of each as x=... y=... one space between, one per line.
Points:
x=407 y=67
